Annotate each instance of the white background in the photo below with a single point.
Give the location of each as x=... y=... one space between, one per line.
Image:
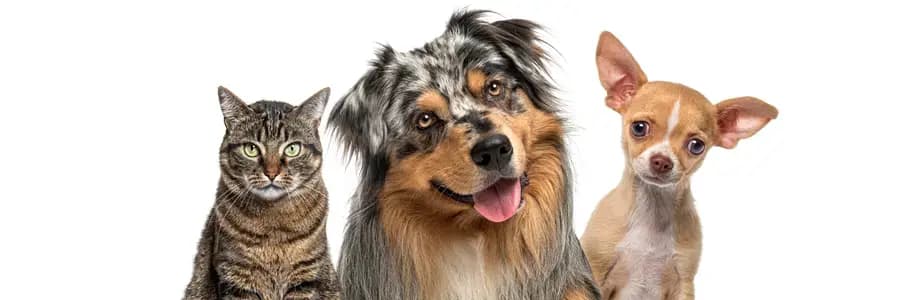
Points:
x=110 y=129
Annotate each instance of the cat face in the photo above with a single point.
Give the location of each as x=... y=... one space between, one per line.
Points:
x=271 y=149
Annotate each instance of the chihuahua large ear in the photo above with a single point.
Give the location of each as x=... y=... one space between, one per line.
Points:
x=311 y=110
x=234 y=110
x=740 y=118
x=620 y=74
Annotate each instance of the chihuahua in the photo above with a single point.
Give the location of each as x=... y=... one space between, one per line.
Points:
x=643 y=240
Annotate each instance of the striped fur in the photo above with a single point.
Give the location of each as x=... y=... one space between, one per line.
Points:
x=258 y=246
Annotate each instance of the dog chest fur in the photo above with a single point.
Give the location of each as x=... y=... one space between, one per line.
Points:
x=648 y=246
x=464 y=272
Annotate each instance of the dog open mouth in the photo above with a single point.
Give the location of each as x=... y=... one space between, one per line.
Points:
x=497 y=203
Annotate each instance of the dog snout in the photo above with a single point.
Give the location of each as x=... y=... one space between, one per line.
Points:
x=661 y=164
x=492 y=153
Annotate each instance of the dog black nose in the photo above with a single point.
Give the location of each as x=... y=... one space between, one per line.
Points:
x=493 y=152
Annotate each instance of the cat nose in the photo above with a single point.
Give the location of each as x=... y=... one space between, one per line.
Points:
x=273 y=167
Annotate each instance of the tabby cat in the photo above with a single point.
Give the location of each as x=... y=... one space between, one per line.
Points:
x=265 y=237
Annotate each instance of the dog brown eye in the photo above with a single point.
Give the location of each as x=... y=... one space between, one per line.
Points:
x=425 y=120
x=696 y=146
x=640 y=129
x=494 y=88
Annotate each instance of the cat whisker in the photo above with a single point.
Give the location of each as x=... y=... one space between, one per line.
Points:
x=246 y=206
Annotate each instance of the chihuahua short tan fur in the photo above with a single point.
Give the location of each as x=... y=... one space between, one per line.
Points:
x=643 y=240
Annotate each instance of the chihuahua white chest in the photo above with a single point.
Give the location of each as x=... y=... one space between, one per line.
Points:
x=649 y=244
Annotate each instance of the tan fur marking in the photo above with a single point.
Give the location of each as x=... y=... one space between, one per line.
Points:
x=475 y=80
x=432 y=101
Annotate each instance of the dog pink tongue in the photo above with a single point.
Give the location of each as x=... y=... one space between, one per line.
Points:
x=500 y=201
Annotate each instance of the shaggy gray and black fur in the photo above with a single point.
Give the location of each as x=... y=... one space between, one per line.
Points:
x=372 y=122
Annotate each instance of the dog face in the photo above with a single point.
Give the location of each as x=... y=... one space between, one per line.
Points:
x=665 y=132
x=667 y=126
x=452 y=122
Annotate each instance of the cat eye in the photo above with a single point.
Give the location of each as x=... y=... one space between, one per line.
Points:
x=425 y=120
x=495 y=88
x=640 y=129
x=250 y=150
x=292 y=150
x=696 y=146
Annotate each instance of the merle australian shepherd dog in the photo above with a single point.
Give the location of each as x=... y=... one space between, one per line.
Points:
x=465 y=187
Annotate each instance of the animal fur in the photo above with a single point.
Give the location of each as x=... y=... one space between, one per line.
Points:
x=643 y=240
x=265 y=238
x=406 y=239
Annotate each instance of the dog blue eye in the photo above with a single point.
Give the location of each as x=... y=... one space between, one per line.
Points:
x=640 y=129
x=696 y=146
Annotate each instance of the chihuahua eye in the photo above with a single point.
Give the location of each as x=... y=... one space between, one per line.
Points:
x=495 y=88
x=640 y=129
x=696 y=146
x=425 y=120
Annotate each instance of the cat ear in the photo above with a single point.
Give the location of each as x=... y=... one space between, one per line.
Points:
x=234 y=110
x=740 y=118
x=620 y=74
x=312 y=108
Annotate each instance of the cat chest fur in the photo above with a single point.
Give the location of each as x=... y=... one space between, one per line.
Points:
x=271 y=268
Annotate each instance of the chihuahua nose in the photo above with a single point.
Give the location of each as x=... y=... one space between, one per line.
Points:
x=492 y=153
x=660 y=164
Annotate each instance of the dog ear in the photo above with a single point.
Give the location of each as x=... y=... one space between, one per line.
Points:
x=520 y=41
x=311 y=110
x=740 y=118
x=524 y=32
x=620 y=74
x=358 y=118
x=234 y=110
